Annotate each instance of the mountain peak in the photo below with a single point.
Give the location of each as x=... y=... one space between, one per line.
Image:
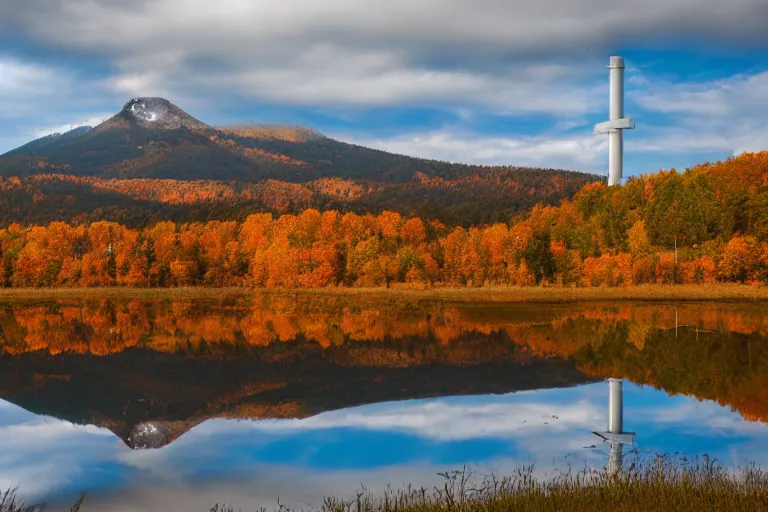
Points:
x=158 y=113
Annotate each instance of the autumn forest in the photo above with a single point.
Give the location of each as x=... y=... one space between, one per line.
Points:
x=714 y=213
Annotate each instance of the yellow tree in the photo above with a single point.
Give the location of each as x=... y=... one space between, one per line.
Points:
x=219 y=253
x=413 y=232
x=281 y=262
x=254 y=242
x=454 y=247
x=493 y=248
x=99 y=263
x=30 y=266
x=131 y=260
x=162 y=246
x=637 y=240
x=740 y=259
x=517 y=241
x=359 y=266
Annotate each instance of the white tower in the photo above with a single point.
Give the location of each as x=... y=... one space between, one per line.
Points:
x=615 y=434
x=617 y=124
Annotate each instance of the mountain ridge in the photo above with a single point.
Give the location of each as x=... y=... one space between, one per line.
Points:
x=153 y=114
x=153 y=139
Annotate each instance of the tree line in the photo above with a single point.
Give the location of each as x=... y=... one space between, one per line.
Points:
x=705 y=225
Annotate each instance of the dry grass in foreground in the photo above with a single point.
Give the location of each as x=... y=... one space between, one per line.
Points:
x=8 y=294
x=718 y=292
x=658 y=486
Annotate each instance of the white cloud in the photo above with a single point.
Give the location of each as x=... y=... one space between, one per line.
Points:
x=25 y=85
x=552 y=25
x=581 y=152
x=446 y=421
x=296 y=53
x=723 y=98
x=20 y=79
x=702 y=138
x=37 y=99
x=726 y=115
x=337 y=76
x=464 y=56
x=40 y=455
x=343 y=52
x=91 y=121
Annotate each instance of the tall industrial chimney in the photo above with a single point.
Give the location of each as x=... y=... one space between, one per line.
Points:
x=617 y=123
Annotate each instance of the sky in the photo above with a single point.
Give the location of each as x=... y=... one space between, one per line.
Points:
x=253 y=463
x=502 y=82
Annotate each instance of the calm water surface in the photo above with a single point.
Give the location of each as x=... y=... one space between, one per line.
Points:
x=151 y=405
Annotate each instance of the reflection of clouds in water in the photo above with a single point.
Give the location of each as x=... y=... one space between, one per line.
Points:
x=335 y=452
x=49 y=429
x=440 y=419
x=41 y=455
x=693 y=414
x=675 y=414
x=546 y=432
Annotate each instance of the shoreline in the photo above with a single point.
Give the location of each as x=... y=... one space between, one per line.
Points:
x=503 y=294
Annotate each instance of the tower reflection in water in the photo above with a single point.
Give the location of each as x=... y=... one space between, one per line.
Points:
x=615 y=434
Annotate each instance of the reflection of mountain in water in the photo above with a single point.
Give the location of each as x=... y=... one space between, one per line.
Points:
x=150 y=398
x=151 y=370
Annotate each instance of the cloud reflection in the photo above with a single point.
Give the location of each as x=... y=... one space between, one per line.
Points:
x=335 y=452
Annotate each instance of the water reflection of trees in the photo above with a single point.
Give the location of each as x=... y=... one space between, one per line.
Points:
x=710 y=351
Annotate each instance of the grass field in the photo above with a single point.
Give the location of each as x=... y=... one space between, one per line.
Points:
x=719 y=292
x=658 y=486
x=11 y=294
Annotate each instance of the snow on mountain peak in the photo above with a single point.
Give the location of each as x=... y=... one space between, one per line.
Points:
x=149 y=109
x=159 y=113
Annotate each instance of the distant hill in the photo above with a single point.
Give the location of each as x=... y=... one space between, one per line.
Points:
x=114 y=171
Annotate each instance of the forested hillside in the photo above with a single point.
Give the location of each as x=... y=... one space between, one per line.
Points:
x=716 y=213
x=493 y=195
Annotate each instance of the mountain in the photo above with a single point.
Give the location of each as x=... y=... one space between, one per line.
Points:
x=149 y=399
x=149 y=137
x=93 y=173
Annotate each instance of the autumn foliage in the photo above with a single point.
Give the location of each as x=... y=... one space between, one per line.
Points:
x=619 y=236
x=675 y=348
x=483 y=195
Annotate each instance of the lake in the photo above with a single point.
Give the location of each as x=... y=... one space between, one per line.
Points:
x=177 y=405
